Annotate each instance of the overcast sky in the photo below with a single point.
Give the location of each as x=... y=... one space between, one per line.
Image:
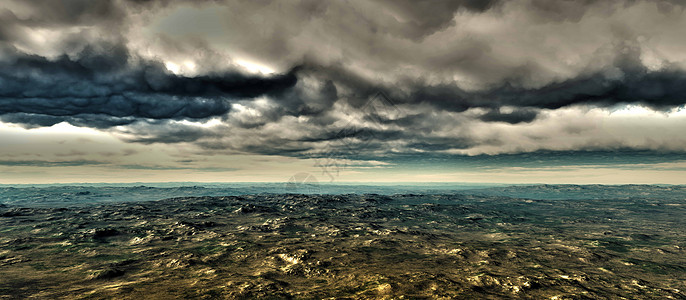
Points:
x=531 y=91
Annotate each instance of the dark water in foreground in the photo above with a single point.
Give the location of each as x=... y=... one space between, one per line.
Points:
x=532 y=242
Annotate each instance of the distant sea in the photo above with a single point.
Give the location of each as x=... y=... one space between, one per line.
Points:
x=76 y=194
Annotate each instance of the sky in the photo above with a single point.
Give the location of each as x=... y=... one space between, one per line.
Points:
x=517 y=91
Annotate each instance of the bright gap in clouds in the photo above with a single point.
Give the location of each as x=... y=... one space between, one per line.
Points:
x=254 y=67
x=189 y=67
x=581 y=128
x=57 y=129
x=204 y=124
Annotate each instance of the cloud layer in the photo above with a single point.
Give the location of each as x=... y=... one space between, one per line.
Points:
x=377 y=78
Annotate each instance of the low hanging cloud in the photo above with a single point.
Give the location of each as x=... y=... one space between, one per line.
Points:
x=113 y=88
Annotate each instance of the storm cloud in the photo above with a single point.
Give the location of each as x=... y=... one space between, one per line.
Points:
x=114 y=87
x=293 y=78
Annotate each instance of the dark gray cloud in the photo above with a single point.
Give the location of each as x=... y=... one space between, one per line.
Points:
x=101 y=89
x=162 y=131
x=43 y=163
x=514 y=117
x=166 y=168
x=625 y=81
x=537 y=159
x=447 y=65
x=103 y=84
x=662 y=89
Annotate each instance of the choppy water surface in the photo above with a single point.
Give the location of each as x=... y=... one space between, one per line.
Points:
x=502 y=242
